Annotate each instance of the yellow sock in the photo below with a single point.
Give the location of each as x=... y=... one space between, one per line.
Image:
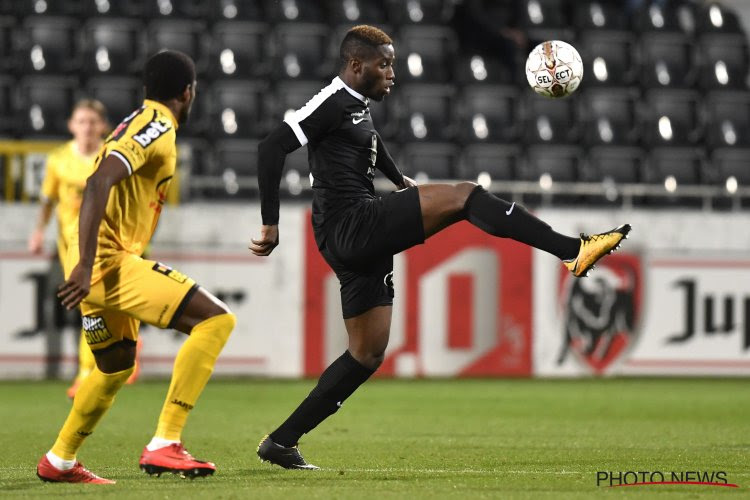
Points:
x=192 y=369
x=93 y=399
x=86 y=361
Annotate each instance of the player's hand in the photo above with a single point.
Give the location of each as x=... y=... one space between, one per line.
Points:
x=35 y=241
x=407 y=182
x=73 y=291
x=269 y=239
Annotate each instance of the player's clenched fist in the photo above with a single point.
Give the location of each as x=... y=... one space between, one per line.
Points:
x=269 y=239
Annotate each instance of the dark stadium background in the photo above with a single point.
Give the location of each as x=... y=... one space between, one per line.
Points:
x=662 y=117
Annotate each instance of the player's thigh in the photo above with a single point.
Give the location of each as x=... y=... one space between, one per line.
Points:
x=400 y=225
x=146 y=290
x=102 y=328
x=442 y=204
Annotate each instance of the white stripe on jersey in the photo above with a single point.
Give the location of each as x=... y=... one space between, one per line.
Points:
x=311 y=105
x=124 y=160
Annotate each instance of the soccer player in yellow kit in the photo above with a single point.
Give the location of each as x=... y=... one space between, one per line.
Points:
x=66 y=171
x=117 y=289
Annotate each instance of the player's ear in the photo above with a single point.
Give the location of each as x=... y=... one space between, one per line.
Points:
x=187 y=94
x=356 y=65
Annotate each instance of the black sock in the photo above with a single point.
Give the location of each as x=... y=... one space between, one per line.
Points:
x=337 y=383
x=500 y=218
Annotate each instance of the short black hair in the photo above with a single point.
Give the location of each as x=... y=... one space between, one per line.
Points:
x=167 y=74
x=361 y=41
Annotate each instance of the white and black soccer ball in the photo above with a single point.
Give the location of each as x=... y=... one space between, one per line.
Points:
x=554 y=69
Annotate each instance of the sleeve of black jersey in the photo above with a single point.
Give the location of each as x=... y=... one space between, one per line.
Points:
x=272 y=153
x=385 y=164
x=320 y=116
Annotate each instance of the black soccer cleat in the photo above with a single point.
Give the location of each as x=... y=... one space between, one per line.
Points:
x=286 y=457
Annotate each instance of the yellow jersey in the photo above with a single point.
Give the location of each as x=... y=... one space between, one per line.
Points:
x=65 y=177
x=145 y=143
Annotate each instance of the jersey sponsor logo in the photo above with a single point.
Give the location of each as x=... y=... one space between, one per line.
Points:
x=151 y=132
x=169 y=272
x=95 y=330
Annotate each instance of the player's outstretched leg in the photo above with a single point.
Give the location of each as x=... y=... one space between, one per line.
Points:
x=192 y=369
x=94 y=397
x=444 y=204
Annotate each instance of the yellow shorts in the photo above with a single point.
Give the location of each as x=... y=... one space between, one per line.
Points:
x=131 y=290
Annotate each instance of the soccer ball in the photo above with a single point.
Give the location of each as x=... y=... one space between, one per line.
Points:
x=554 y=69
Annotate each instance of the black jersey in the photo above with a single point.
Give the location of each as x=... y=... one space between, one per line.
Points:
x=344 y=149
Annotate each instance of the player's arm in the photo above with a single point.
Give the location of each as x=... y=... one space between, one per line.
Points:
x=385 y=164
x=37 y=236
x=95 y=196
x=272 y=153
x=308 y=124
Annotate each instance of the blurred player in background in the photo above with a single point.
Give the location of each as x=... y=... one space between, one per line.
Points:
x=66 y=171
x=358 y=232
x=117 y=289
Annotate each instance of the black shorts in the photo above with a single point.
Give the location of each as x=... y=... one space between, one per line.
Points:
x=360 y=244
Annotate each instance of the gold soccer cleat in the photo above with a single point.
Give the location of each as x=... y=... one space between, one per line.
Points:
x=595 y=247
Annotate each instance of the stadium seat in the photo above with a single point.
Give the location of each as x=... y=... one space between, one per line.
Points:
x=295 y=11
x=48 y=45
x=547 y=165
x=546 y=20
x=673 y=168
x=713 y=17
x=177 y=9
x=115 y=8
x=121 y=95
x=671 y=118
x=563 y=163
x=500 y=162
x=357 y=11
x=112 y=46
x=489 y=113
x=599 y=15
x=724 y=60
x=44 y=104
x=727 y=119
x=478 y=68
x=429 y=161
x=425 y=54
x=300 y=51
x=239 y=50
x=48 y=7
x=237 y=154
x=238 y=10
x=238 y=108
x=425 y=112
x=7 y=91
x=665 y=17
x=732 y=162
x=608 y=57
x=668 y=60
x=178 y=34
x=619 y=164
x=549 y=120
x=610 y=115
x=420 y=11
x=8 y=56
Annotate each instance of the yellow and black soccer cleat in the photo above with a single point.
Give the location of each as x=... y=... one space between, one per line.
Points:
x=595 y=247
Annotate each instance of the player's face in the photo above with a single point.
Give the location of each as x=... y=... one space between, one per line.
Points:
x=87 y=126
x=377 y=73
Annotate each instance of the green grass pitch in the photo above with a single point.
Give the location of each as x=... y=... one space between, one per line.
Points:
x=405 y=439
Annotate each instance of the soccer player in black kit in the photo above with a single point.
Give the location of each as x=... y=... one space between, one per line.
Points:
x=358 y=232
